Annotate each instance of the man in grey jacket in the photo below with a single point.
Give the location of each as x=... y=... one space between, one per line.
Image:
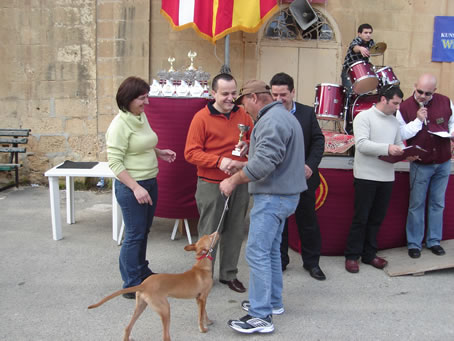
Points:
x=273 y=171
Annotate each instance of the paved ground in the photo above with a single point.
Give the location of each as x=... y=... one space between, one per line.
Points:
x=46 y=286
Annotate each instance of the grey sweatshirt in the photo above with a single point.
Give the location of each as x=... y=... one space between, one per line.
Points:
x=276 y=153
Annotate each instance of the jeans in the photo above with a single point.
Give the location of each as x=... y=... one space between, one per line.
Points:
x=426 y=181
x=308 y=231
x=137 y=219
x=371 y=203
x=267 y=218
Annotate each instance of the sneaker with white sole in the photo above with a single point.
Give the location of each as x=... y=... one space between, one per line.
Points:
x=249 y=324
x=276 y=311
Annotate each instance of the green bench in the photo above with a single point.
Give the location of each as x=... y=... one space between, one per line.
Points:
x=10 y=139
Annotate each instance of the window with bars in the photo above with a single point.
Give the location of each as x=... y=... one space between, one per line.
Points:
x=283 y=26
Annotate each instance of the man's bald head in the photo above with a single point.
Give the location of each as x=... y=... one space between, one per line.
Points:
x=425 y=87
x=427 y=81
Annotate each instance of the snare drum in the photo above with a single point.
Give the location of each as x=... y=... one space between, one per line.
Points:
x=363 y=77
x=329 y=101
x=362 y=103
x=386 y=76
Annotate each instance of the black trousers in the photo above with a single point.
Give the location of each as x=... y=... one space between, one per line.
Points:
x=308 y=230
x=371 y=203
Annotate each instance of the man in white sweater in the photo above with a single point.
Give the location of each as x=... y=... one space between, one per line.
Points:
x=376 y=133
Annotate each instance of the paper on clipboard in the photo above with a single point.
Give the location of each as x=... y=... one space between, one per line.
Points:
x=408 y=151
x=443 y=134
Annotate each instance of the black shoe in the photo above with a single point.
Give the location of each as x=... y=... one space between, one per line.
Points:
x=234 y=285
x=414 y=253
x=284 y=267
x=148 y=275
x=316 y=272
x=437 y=250
x=130 y=295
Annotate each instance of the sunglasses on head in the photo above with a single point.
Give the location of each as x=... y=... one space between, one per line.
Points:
x=426 y=93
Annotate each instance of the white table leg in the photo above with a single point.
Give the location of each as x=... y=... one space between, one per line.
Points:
x=116 y=215
x=55 y=207
x=175 y=228
x=70 y=205
x=188 y=232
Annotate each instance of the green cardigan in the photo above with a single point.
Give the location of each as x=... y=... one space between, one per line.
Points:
x=130 y=146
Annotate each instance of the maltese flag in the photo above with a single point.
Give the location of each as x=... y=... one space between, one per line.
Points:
x=214 y=19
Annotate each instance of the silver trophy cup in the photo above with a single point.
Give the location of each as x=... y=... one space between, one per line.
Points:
x=243 y=128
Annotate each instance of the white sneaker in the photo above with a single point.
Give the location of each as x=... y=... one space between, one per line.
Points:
x=276 y=311
x=248 y=324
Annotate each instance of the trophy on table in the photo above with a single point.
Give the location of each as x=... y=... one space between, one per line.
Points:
x=243 y=129
x=171 y=60
x=192 y=55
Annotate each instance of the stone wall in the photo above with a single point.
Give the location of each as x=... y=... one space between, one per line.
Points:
x=62 y=62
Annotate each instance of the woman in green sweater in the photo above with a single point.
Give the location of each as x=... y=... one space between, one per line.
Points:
x=132 y=156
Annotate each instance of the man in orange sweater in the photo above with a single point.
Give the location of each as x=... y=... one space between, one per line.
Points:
x=212 y=136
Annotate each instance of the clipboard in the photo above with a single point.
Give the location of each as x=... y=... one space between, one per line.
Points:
x=443 y=134
x=408 y=151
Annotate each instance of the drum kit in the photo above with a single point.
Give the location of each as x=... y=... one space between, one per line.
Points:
x=335 y=102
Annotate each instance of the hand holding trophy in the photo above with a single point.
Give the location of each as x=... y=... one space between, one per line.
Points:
x=243 y=129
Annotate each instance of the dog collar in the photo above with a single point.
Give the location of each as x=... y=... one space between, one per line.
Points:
x=205 y=256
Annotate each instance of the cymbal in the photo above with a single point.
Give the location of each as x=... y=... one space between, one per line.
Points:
x=378 y=49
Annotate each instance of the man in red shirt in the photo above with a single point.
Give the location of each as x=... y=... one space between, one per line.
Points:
x=212 y=136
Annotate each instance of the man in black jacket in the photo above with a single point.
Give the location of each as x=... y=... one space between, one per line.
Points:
x=282 y=88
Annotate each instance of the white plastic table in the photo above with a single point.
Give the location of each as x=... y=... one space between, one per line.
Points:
x=100 y=170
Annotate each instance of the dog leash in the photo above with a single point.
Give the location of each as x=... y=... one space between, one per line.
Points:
x=226 y=208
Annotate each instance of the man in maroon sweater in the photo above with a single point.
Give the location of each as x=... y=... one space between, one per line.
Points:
x=420 y=115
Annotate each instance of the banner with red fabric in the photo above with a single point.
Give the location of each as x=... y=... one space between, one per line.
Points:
x=214 y=19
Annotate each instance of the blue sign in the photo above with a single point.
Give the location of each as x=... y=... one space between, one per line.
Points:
x=443 y=41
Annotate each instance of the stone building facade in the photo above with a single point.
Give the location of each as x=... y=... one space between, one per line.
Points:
x=62 y=61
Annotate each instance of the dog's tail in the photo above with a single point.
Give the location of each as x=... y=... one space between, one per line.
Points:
x=115 y=294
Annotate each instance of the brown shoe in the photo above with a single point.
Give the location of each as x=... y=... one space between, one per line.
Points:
x=234 y=285
x=351 y=265
x=377 y=262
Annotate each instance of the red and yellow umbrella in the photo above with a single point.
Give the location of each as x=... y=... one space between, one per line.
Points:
x=214 y=19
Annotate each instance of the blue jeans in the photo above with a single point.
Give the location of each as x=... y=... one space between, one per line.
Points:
x=426 y=181
x=137 y=219
x=263 y=254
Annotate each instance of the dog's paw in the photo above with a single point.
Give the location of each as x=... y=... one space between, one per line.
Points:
x=202 y=329
x=209 y=322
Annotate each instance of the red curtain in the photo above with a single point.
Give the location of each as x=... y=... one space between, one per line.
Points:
x=170 y=119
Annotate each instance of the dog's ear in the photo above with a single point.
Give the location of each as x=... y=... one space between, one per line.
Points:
x=190 y=247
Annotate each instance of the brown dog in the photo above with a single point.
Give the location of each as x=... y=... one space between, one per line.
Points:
x=195 y=283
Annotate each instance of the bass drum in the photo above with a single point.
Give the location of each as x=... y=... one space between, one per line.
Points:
x=361 y=103
x=329 y=101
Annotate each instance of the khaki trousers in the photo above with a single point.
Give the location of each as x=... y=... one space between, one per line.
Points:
x=210 y=203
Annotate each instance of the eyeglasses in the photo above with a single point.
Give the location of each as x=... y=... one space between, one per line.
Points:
x=426 y=93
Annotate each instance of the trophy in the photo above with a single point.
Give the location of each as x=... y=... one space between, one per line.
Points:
x=171 y=60
x=168 y=89
x=243 y=128
x=182 y=89
x=155 y=89
x=191 y=56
